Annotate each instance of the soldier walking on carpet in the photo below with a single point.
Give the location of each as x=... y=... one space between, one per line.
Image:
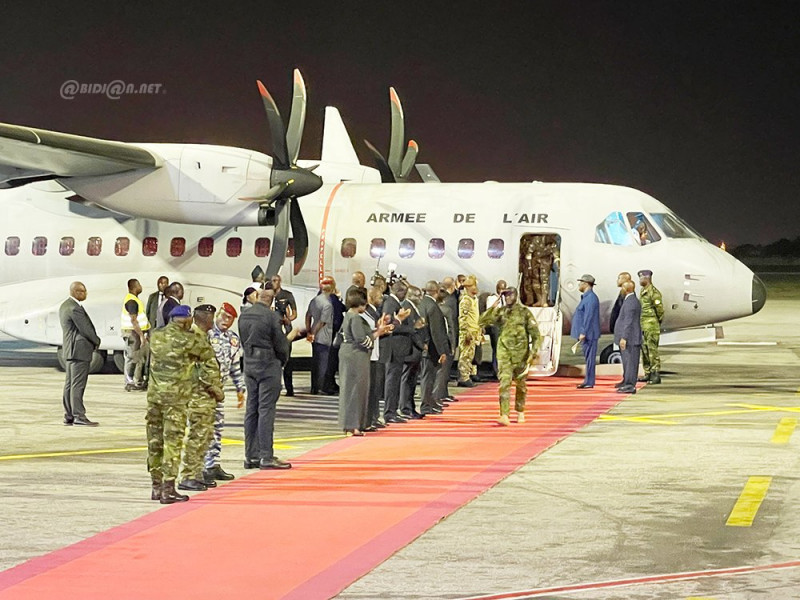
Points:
x=517 y=345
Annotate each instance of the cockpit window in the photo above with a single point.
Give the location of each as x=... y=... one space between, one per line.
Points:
x=614 y=230
x=673 y=226
x=643 y=231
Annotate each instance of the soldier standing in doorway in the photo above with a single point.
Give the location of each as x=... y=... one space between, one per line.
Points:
x=652 y=316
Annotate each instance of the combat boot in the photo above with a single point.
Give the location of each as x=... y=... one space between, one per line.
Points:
x=169 y=495
x=655 y=377
x=216 y=473
x=504 y=420
x=520 y=417
x=156 y=493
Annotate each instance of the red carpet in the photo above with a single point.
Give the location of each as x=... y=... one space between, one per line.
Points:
x=309 y=532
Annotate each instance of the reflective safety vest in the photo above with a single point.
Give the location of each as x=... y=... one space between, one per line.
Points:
x=141 y=317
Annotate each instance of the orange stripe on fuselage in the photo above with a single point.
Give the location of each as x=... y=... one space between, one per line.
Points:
x=322 y=232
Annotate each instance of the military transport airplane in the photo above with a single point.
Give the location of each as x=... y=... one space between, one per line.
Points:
x=101 y=211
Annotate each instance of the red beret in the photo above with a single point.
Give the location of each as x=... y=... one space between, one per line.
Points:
x=327 y=281
x=229 y=309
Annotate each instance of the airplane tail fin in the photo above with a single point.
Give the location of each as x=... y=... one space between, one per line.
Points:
x=336 y=144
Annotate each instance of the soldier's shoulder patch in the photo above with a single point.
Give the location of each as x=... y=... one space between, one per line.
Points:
x=234 y=340
x=658 y=300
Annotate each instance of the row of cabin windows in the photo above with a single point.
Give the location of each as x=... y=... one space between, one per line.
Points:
x=233 y=247
x=122 y=246
x=436 y=248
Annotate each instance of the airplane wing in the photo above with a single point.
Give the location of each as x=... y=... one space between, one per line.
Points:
x=28 y=154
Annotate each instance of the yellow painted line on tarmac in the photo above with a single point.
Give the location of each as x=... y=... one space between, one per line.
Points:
x=663 y=419
x=784 y=430
x=746 y=507
x=767 y=408
x=280 y=444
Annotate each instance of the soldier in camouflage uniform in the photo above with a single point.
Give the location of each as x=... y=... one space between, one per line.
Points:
x=517 y=344
x=652 y=316
x=206 y=391
x=228 y=348
x=470 y=334
x=175 y=350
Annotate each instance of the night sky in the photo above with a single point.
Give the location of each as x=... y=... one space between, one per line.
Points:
x=695 y=103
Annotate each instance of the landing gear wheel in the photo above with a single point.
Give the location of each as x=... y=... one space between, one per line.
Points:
x=610 y=355
x=98 y=361
x=119 y=360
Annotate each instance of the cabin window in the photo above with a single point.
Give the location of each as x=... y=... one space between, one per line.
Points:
x=496 y=248
x=407 y=248
x=642 y=229
x=122 y=246
x=466 y=248
x=205 y=247
x=436 y=248
x=614 y=230
x=233 y=248
x=348 y=247
x=95 y=246
x=177 y=246
x=39 y=246
x=290 y=248
x=67 y=246
x=150 y=246
x=262 y=247
x=377 y=248
x=673 y=226
x=12 y=246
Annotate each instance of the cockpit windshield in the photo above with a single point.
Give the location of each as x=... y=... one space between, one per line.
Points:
x=673 y=226
x=631 y=229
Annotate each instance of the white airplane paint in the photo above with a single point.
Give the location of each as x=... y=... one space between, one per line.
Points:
x=194 y=192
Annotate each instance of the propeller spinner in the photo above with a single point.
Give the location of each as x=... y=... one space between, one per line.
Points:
x=287 y=180
x=398 y=168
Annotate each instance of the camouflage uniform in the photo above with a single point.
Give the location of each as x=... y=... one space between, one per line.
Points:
x=173 y=354
x=228 y=349
x=652 y=315
x=519 y=338
x=469 y=335
x=206 y=389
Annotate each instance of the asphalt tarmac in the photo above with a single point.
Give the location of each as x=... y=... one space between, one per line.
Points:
x=685 y=490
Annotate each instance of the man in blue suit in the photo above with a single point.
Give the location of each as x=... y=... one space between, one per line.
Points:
x=628 y=336
x=586 y=327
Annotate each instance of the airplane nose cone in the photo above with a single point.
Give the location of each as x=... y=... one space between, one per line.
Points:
x=759 y=294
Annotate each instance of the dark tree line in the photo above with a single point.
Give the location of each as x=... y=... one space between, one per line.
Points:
x=782 y=248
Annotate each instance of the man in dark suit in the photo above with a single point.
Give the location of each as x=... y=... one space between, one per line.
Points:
x=621 y=278
x=440 y=393
x=628 y=335
x=586 y=327
x=80 y=342
x=394 y=349
x=438 y=348
x=266 y=350
x=155 y=299
x=412 y=362
x=173 y=294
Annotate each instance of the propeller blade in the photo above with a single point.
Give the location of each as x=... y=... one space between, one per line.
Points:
x=398 y=133
x=280 y=240
x=280 y=156
x=299 y=235
x=408 y=160
x=271 y=194
x=297 y=118
x=386 y=173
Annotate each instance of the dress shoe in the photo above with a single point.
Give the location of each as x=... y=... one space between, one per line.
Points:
x=394 y=419
x=217 y=474
x=520 y=417
x=194 y=485
x=644 y=379
x=655 y=377
x=353 y=432
x=619 y=384
x=378 y=425
x=467 y=383
x=504 y=420
x=68 y=421
x=169 y=495
x=274 y=463
x=583 y=386
x=451 y=399
x=626 y=389
x=329 y=393
x=412 y=415
x=155 y=494
x=85 y=422
x=431 y=410
x=251 y=463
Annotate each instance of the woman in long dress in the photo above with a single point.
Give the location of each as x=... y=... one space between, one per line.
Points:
x=357 y=341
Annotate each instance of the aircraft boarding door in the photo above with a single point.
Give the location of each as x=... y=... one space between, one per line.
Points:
x=539 y=289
